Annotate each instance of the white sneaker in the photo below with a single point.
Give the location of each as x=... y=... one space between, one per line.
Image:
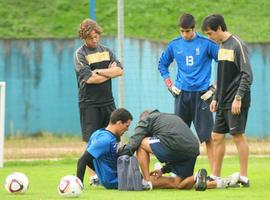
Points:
x=234 y=179
x=94 y=181
x=231 y=181
x=147 y=185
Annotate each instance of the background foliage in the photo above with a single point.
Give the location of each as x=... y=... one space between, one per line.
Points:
x=148 y=19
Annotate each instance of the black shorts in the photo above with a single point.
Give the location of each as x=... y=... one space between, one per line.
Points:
x=94 y=118
x=180 y=164
x=226 y=122
x=191 y=108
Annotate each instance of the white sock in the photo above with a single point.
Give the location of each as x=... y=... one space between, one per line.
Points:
x=219 y=183
x=244 y=179
x=214 y=177
x=195 y=176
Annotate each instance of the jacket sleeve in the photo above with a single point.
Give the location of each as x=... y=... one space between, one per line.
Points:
x=114 y=59
x=243 y=63
x=164 y=62
x=82 y=68
x=141 y=131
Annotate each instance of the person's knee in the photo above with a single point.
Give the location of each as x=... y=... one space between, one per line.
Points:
x=239 y=138
x=217 y=138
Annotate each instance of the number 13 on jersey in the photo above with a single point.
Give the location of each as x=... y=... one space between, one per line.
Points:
x=189 y=60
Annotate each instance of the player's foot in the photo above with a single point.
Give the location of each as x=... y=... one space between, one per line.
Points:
x=94 y=181
x=200 y=184
x=233 y=180
x=147 y=185
x=244 y=184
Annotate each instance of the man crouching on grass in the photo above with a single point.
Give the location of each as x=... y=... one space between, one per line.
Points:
x=101 y=151
x=173 y=143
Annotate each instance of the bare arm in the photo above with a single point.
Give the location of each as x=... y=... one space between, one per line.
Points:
x=102 y=75
x=112 y=71
x=96 y=78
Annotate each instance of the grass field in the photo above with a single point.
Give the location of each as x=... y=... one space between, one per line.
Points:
x=44 y=176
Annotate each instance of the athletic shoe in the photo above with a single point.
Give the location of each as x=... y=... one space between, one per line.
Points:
x=200 y=184
x=94 y=181
x=147 y=185
x=209 y=178
x=234 y=180
x=243 y=184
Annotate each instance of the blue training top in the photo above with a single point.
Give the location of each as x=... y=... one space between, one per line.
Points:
x=193 y=58
x=102 y=145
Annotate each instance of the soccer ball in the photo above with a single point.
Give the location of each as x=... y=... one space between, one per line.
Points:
x=16 y=183
x=70 y=186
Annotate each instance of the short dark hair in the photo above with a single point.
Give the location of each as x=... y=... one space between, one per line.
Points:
x=120 y=114
x=213 y=22
x=87 y=26
x=186 y=21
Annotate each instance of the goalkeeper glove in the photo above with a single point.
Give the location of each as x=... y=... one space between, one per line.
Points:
x=173 y=90
x=210 y=92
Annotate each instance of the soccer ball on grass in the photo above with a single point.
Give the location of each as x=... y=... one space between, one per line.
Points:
x=16 y=183
x=70 y=186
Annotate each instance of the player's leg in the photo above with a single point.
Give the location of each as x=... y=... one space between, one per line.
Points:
x=203 y=122
x=144 y=158
x=218 y=142
x=105 y=114
x=237 y=127
x=90 y=122
x=182 y=107
x=85 y=160
x=218 y=153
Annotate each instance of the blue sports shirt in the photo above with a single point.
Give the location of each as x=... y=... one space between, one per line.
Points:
x=102 y=146
x=193 y=58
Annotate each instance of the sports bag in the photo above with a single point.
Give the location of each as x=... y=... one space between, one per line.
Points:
x=128 y=172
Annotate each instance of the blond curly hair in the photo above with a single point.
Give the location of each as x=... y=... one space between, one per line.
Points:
x=87 y=26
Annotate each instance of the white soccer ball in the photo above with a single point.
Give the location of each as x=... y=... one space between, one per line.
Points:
x=16 y=183
x=70 y=186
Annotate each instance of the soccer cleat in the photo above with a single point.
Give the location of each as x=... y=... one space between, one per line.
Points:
x=243 y=184
x=94 y=181
x=233 y=180
x=209 y=178
x=200 y=184
x=147 y=185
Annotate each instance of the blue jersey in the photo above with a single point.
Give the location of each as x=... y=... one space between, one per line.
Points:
x=193 y=58
x=102 y=146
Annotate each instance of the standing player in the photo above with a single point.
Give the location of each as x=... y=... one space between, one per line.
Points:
x=232 y=101
x=95 y=66
x=193 y=54
x=101 y=151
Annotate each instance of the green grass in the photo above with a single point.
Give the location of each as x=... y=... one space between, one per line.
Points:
x=44 y=177
x=148 y=19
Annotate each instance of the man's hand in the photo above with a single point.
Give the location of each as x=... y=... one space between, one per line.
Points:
x=112 y=64
x=236 y=107
x=213 y=106
x=156 y=173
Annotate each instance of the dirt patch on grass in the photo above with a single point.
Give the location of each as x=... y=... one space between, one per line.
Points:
x=55 y=147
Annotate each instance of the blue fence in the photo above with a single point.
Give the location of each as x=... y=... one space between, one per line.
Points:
x=42 y=92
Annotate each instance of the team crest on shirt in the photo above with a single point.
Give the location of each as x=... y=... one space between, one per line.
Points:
x=197 y=51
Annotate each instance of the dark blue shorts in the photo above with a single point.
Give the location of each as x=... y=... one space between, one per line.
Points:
x=191 y=108
x=181 y=165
